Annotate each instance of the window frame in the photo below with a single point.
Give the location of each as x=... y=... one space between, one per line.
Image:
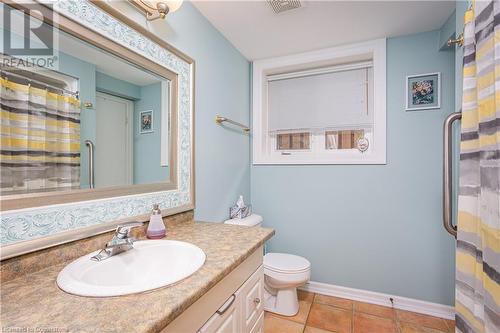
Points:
x=263 y=151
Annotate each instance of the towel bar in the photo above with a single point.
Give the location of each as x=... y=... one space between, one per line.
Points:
x=219 y=120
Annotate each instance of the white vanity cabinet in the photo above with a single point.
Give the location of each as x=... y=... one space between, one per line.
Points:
x=234 y=305
x=243 y=312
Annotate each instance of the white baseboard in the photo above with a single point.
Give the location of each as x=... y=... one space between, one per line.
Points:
x=402 y=303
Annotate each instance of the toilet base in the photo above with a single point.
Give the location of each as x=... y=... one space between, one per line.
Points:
x=283 y=301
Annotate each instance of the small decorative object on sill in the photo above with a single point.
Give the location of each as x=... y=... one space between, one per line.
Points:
x=363 y=144
x=240 y=210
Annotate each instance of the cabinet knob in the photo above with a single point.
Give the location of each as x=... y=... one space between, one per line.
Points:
x=256 y=301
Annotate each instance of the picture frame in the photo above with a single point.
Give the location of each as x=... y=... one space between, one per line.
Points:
x=423 y=91
x=146 y=121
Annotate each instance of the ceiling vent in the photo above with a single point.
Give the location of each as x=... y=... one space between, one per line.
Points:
x=280 y=6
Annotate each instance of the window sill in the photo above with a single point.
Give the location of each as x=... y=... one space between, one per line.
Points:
x=302 y=160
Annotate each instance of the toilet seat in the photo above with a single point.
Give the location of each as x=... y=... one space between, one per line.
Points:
x=285 y=263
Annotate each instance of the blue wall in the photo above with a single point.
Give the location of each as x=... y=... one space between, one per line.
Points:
x=147 y=157
x=374 y=227
x=222 y=87
x=447 y=31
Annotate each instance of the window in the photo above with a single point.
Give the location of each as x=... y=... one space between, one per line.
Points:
x=293 y=141
x=347 y=139
x=322 y=107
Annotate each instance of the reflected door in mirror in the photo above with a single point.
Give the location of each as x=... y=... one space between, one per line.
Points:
x=114 y=141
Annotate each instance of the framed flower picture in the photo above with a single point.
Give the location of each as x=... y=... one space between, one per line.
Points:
x=146 y=121
x=423 y=91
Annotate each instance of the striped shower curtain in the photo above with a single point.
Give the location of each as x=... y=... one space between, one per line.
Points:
x=478 y=242
x=40 y=139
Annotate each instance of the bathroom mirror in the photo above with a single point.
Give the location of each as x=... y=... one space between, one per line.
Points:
x=106 y=115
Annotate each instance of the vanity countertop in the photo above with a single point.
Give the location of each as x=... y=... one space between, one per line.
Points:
x=34 y=303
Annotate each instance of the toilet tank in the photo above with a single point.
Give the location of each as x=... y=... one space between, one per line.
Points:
x=253 y=220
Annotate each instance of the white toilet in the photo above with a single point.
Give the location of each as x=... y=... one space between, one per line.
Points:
x=283 y=273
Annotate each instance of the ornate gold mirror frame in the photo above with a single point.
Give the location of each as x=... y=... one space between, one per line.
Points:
x=31 y=222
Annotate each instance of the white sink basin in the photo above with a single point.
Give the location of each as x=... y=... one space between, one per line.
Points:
x=150 y=264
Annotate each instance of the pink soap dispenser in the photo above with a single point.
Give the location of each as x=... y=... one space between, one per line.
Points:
x=156 y=227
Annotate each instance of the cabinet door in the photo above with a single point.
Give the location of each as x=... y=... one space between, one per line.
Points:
x=259 y=325
x=226 y=319
x=229 y=323
x=252 y=298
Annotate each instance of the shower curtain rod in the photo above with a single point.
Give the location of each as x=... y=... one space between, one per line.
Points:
x=7 y=74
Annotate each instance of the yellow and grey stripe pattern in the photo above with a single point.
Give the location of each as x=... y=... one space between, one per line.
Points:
x=39 y=139
x=477 y=299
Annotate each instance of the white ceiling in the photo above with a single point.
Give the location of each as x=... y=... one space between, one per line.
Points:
x=257 y=32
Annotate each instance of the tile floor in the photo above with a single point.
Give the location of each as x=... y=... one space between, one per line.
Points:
x=325 y=314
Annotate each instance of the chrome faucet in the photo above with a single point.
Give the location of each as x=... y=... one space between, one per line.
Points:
x=120 y=242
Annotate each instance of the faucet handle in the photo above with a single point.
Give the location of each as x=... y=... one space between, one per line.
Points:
x=123 y=230
x=118 y=242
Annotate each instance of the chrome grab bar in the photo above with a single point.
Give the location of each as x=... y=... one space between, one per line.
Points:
x=90 y=145
x=447 y=173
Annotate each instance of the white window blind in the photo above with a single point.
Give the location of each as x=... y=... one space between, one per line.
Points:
x=319 y=99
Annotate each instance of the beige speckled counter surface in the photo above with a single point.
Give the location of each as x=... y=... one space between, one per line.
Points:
x=34 y=301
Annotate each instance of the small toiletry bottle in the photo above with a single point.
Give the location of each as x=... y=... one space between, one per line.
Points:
x=156 y=228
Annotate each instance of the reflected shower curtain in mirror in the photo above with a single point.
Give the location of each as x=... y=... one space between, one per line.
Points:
x=477 y=299
x=40 y=139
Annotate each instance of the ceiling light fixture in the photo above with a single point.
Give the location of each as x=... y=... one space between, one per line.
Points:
x=155 y=9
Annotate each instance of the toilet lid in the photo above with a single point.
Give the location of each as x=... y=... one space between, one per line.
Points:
x=287 y=263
